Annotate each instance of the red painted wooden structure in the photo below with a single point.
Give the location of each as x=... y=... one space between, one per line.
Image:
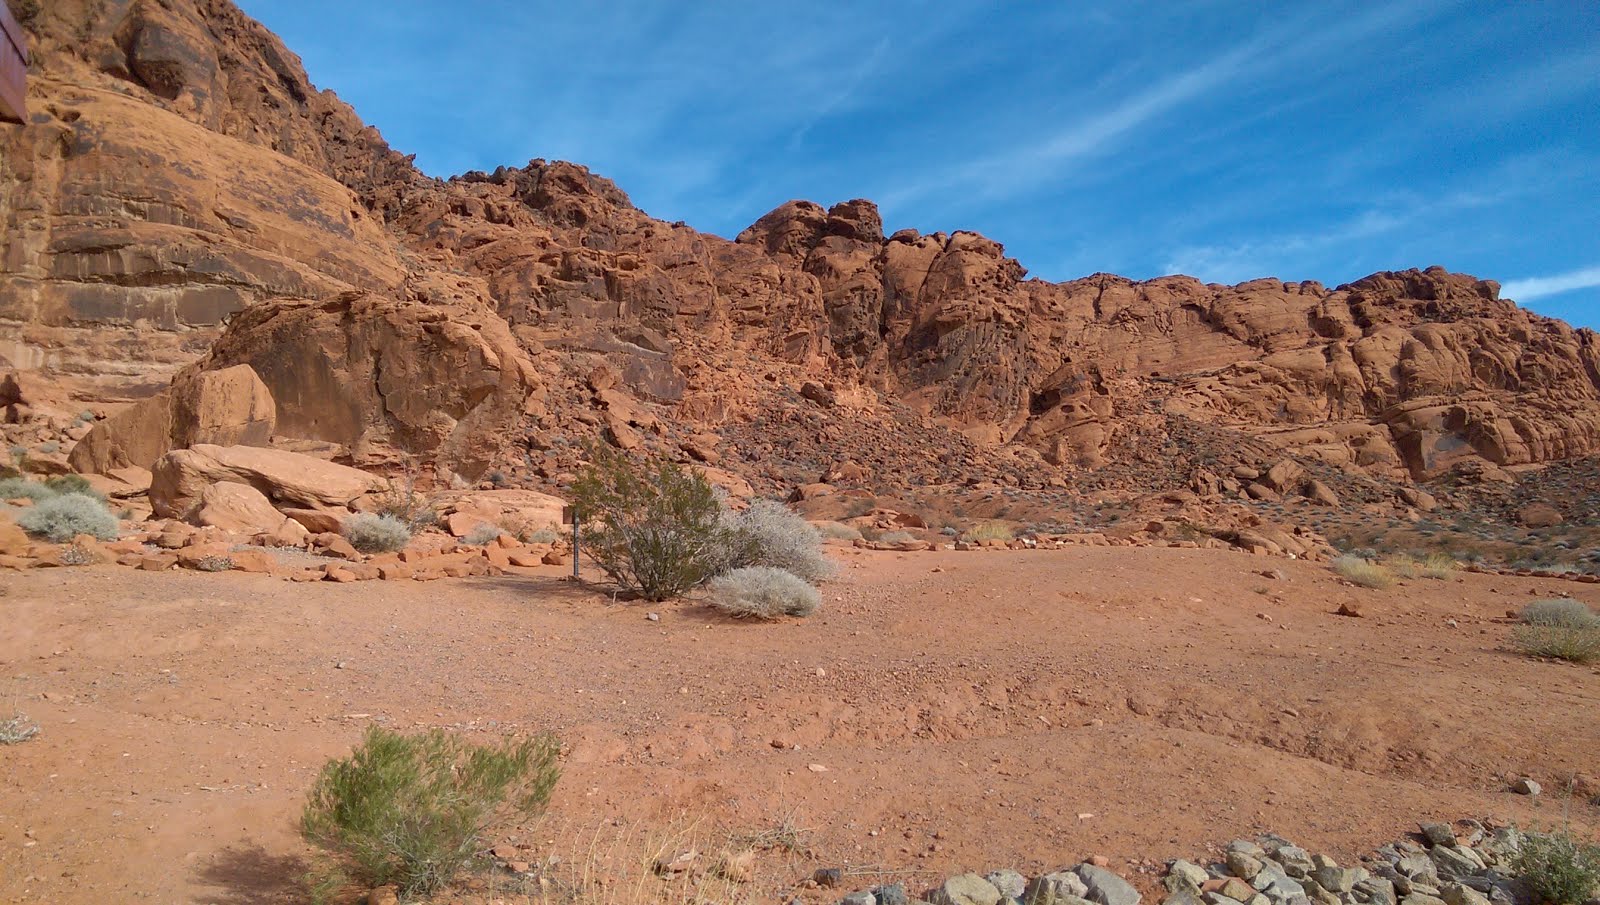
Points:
x=13 y=68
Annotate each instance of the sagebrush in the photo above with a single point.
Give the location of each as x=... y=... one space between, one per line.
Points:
x=24 y=489
x=769 y=534
x=838 y=531
x=1557 y=867
x=61 y=518
x=401 y=500
x=656 y=529
x=763 y=592
x=1573 y=643
x=411 y=809
x=1559 y=611
x=482 y=533
x=374 y=533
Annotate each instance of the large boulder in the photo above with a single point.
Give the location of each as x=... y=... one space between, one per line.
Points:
x=226 y=407
x=237 y=507
x=377 y=376
x=286 y=478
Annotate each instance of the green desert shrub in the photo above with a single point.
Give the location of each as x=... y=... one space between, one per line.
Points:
x=1563 y=612
x=371 y=532
x=1558 y=868
x=657 y=529
x=769 y=534
x=482 y=533
x=1363 y=572
x=61 y=518
x=411 y=809
x=24 y=489
x=401 y=500
x=763 y=592
x=73 y=483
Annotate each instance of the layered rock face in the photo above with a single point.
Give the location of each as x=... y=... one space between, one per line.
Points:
x=181 y=172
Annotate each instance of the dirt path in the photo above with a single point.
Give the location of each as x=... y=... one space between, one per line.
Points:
x=971 y=710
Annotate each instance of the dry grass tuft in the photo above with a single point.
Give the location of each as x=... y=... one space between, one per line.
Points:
x=1363 y=572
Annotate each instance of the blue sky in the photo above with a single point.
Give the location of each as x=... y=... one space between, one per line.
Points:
x=1228 y=140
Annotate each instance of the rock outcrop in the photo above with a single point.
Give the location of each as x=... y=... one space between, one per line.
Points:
x=184 y=202
x=180 y=478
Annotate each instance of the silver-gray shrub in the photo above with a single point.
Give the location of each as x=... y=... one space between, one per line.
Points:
x=371 y=533
x=59 y=519
x=769 y=534
x=1563 y=612
x=763 y=592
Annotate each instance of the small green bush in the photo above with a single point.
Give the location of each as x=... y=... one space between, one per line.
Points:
x=373 y=533
x=402 y=501
x=764 y=593
x=59 y=519
x=1561 y=612
x=24 y=489
x=655 y=529
x=483 y=533
x=1363 y=572
x=73 y=483
x=769 y=534
x=1576 y=644
x=412 y=809
x=1558 y=868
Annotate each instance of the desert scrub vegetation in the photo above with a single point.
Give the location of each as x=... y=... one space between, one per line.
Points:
x=411 y=809
x=372 y=532
x=762 y=592
x=59 y=519
x=657 y=530
x=17 y=729
x=1559 y=611
x=482 y=533
x=401 y=501
x=1434 y=565
x=987 y=531
x=838 y=531
x=1559 y=629
x=769 y=534
x=1557 y=867
x=24 y=489
x=1363 y=572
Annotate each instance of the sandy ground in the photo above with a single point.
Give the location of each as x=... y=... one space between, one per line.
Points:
x=971 y=710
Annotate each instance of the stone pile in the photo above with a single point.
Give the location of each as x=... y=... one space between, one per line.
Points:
x=1467 y=863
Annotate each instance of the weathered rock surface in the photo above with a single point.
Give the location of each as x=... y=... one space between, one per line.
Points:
x=182 y=172
x=225 y=407
x=181 y=476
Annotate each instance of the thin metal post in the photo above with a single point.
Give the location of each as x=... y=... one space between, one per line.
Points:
x=576 y=526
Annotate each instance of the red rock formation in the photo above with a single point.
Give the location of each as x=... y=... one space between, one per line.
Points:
x=180 y=171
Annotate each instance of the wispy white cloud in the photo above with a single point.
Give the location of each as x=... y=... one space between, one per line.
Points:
x=1251 y=259
x=1012 y=170
x=1529 y=288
